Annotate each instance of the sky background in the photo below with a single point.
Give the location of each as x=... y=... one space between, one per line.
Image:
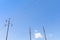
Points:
x=30 y=13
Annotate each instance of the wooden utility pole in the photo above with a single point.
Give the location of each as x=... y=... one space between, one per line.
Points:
x=30 y=33
x=44 y=33
x=8 y=25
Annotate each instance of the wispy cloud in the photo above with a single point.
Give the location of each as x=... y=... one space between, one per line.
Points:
x=38 y=34
x=50 y=35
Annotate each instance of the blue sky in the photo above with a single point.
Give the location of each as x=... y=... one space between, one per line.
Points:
x=30 y=13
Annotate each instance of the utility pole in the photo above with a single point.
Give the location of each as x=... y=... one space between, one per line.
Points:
x=8 y=26
x=44 y=33
x=30 y=33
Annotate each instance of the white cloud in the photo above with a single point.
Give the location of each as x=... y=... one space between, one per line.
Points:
x=38 y=35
